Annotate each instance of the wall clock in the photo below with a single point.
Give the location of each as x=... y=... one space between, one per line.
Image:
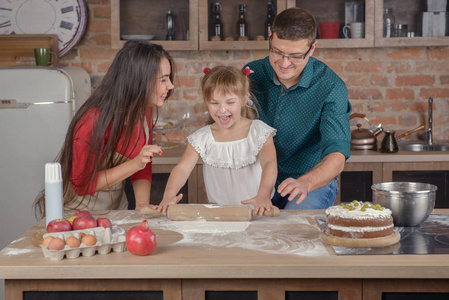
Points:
x=66 y=18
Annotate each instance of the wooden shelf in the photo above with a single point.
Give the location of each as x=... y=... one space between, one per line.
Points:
x=18 y=49
x=255 y=16
x=140 y=18
x=403 y=14
x=334 y=11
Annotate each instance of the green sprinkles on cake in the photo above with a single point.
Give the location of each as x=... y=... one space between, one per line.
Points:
x=365 y=205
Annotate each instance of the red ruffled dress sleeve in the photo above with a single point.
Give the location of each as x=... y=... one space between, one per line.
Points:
x=82 y=162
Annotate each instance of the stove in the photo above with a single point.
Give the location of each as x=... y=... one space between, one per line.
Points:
x=431 y=237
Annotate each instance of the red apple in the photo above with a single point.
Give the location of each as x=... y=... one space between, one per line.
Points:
x=82 y=213
x=140 y=240
x=104 y=222
x=59 y=225
x=84 y=222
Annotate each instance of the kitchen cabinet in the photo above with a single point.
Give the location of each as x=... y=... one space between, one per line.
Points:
x=436 y=173
x=255 y=17
x=363 y=169
x=334 y=11
x=137 y=18
x=356 y=181
x=410 y=14
x=141 y=17
x=194 y=270
x=424 y=167
x=162 y=167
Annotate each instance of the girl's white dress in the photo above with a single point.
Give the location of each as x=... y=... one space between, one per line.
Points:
x=231 y=170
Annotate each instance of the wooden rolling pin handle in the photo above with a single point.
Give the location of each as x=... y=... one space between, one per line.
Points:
x=272 y=213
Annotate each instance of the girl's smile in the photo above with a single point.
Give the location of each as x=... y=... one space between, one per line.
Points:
x=225 y=110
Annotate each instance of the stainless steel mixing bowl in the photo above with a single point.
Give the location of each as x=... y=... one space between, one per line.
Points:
x=410 y=202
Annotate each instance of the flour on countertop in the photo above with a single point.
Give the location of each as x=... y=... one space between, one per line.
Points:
x=18 y=240
x=17 y=251
x=210 y=227
x=280 y=235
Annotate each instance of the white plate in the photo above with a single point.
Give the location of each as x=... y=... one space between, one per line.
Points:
x=137 y=37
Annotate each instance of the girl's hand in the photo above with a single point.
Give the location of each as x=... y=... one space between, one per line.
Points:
x=166 y=202
x=260 y=204
x=146 y=155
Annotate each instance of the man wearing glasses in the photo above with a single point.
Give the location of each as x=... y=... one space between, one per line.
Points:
x=308 y=105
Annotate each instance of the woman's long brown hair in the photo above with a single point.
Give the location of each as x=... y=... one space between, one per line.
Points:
x=121 y=101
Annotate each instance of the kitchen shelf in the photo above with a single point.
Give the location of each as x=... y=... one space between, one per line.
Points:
x=404 y=14
x=144 y=17
x=18 y=49
x=139 y=17
x=334 y=11
x=255 y=16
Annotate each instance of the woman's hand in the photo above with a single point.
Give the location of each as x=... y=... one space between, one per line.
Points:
x=260 y=204
x=166 y=202
x=146 y=154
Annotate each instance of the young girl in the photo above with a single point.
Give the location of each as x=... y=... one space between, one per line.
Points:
x=109 y=138
x=239 y=158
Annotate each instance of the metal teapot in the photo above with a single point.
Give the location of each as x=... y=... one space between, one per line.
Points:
x=362 y=138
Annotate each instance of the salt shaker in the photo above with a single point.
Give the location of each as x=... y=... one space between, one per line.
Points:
x=53 y=192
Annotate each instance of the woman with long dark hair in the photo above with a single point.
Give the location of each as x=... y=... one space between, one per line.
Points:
x=109 y=138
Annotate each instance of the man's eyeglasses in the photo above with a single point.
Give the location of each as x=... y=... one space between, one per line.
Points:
x=292 y=58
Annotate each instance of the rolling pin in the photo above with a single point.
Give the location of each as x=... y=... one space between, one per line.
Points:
x=208 y=212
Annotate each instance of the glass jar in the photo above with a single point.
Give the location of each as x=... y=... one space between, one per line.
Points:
x=399 y=30
x=388 y=22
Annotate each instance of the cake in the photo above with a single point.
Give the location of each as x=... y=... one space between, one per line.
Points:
x=358 y=219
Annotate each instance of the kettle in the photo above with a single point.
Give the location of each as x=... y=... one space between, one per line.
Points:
x=362 y=138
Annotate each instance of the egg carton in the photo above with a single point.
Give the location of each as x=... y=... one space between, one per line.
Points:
x=107 y=240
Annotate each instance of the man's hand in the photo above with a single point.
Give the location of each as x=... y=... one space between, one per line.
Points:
x=294 y=187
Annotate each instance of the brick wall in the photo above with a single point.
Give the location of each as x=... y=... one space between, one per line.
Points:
x=389 y=85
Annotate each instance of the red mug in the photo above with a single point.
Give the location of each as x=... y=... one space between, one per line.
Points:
x=329 y=30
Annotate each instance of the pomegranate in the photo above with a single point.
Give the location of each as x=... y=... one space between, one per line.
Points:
x=140 y=240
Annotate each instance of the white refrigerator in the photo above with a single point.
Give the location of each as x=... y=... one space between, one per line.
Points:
x=36 y=107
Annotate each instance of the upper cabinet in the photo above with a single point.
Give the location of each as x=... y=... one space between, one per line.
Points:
x=333 y=15
x=173 y=24
x=241 y=30
x=415 y=21
x=193 y=24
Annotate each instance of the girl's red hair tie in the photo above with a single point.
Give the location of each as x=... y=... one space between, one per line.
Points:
x=247 y=71
x=206 y=70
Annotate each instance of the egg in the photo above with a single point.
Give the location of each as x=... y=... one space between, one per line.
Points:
x=82 y=234
x=89 y=240
x=47 y=240
x=56 y=244
x=72 y=242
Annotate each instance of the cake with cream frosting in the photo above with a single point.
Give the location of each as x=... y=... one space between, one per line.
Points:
x=359 y=219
